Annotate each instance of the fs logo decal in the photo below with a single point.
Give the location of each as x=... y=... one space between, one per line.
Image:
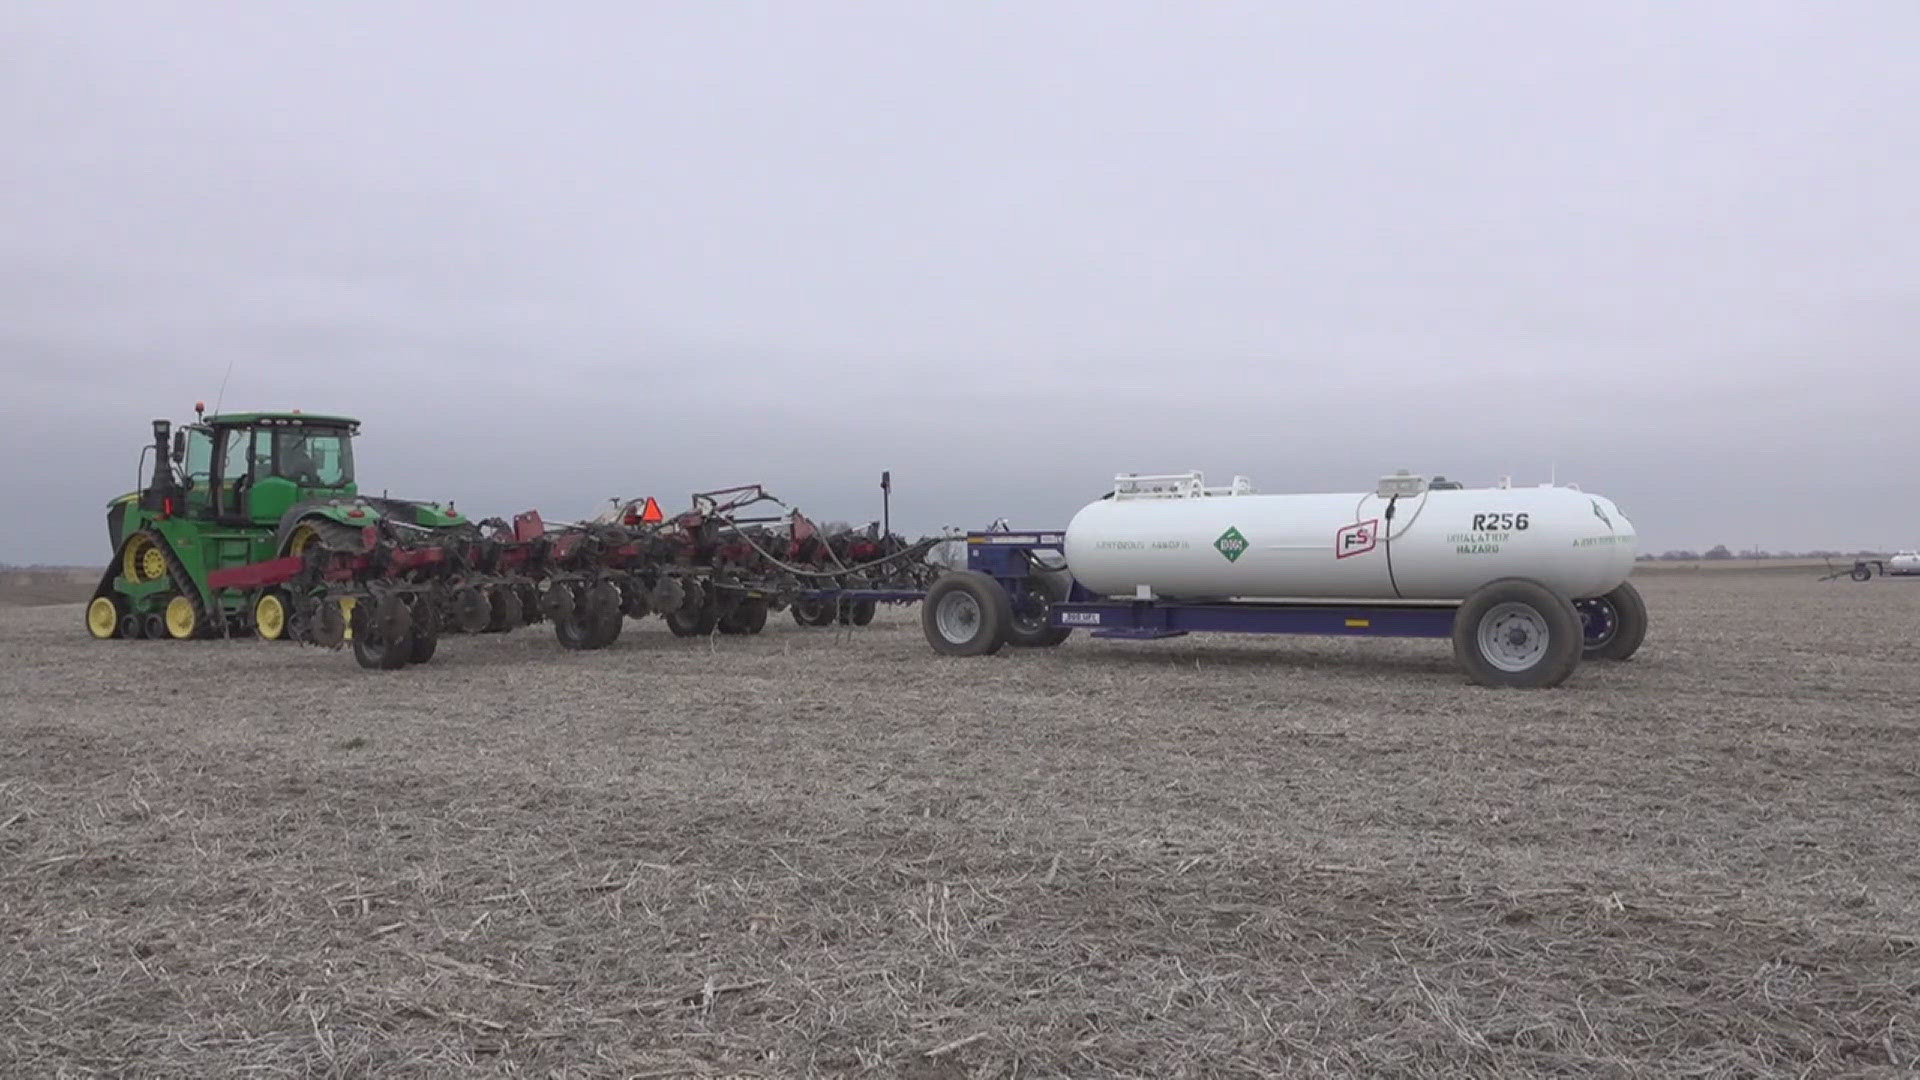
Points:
x=1356 y=539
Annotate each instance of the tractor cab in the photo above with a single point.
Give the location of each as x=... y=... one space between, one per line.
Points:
x=251 y=468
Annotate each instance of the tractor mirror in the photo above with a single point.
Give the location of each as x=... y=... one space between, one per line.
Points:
x=179 y=447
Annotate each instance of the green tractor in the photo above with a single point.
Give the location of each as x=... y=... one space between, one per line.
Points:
x=227 y=491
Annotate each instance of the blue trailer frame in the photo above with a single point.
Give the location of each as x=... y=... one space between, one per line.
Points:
x=1008 y=558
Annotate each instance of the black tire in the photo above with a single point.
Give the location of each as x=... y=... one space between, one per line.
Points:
x=423 y=642
x=854 y=612
x=1861 y=571
x=571 y=634
x=699 y=623
x=372 y=649
x=132 y=626
x=1028 y=629
x=756 y=616
x=1519 y=633
x=966 y=613
x=748 y=617
x=154 y=627
x=504 y=610
x=1614 y=625
x=813 y=612
x=586 y=632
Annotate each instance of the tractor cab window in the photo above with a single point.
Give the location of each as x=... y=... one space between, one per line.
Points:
x=235 y=454
x=313 y=457
x=199 y=463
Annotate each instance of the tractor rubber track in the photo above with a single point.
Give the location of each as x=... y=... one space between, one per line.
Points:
x=334 y=536
x=183 y=583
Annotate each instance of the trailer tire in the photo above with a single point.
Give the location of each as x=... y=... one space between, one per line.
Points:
x=693 y=624
x=751 y=615
x=375 y=647
x=423 y=641
x=1861 y=572
x=1030 y=630
x=1519 y=633
x=857 y=612
x=1613 y=625
x=966 y=613
x=813 y=612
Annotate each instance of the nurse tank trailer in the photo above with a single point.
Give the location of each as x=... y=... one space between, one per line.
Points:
x=1526 y=581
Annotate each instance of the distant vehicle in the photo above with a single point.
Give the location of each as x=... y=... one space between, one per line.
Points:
x=1899 y=564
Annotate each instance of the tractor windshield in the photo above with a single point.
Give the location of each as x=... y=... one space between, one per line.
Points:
x=313 y=457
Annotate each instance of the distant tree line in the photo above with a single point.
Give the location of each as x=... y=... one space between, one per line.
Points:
x=1720 y=551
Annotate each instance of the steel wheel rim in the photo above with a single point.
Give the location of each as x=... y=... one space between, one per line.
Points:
x=957 y=617
x=1513 y=637
x=1599 y=622
x=103 y=618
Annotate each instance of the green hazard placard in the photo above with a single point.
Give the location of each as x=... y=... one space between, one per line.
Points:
x=1231 y=544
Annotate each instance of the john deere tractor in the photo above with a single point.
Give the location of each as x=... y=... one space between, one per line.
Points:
x=226 y=491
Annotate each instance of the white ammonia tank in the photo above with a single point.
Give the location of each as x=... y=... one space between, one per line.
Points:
x=1407 y=540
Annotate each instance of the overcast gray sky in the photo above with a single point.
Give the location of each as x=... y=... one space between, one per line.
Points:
x=556 y=253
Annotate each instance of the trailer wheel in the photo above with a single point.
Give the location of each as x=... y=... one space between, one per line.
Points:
x=751 y=616
x=699 y=623
x=813 y=612
x=1613 y=625
x=1028 y=628
x=384 y=643
x=856 y=612
x=1861 y=571
x=966 y=613
x=1515 y=632
x=587 y=630
x=423 y=641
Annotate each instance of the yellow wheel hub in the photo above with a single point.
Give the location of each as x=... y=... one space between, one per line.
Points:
x=181 y=622
x=270 y=616
x=143 y=561
x=301 y=538
x=346 y=612
x=103 y=618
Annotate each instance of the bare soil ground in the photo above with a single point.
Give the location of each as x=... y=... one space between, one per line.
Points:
x=814 y=852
